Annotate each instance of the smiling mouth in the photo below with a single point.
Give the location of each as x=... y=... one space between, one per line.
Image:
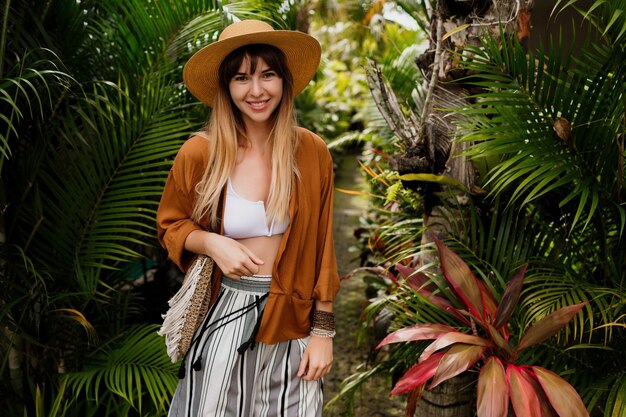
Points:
x=258 y=104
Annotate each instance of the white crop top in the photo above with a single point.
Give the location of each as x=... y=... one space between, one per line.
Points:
x=244 y=218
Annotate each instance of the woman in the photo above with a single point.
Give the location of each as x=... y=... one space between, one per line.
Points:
x=255 y=192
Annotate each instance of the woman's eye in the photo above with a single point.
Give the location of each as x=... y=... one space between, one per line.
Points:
x=239 y=78
x=269 y=74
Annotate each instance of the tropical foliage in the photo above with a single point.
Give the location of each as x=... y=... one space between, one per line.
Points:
x=481 y=339
x=543 y=129
x=92 y=111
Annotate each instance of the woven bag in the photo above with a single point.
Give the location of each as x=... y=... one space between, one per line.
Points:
x=188 y=307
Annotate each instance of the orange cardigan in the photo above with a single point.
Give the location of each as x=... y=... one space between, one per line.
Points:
x=305 y=268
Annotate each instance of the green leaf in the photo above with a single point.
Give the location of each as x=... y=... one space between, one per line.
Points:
x=594 y=6
x=392 y=192
x=616 y=404
x=138 y=360
x=616 y=15
x=438 y=179
x=455 y=30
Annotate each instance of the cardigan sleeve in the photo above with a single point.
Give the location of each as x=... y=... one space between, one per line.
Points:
x=327 y=284
x=174 y=212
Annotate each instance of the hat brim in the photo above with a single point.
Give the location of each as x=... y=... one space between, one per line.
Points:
x=302 y=53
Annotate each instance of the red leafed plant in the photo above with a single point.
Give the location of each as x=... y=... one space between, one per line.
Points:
x=531 y=390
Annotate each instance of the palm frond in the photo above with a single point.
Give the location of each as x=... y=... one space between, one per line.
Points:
x=513 y=126
x=29 y=92
x=495 y=244
x=140 y=32
x=197 y=33
x=401 y=71
x=607 y=16
x=401 y=236
x=398 y=59
x=409 y=307
x=418 y=10
x=114 y=170
x=607 y=395
x=281 y=14
x=545 y=291
x=135 y=367
x=351 y=138
x=496 y=241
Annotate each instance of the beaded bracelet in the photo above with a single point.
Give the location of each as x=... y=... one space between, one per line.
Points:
x=323 y=320
x=322 y=332
x=323 y=324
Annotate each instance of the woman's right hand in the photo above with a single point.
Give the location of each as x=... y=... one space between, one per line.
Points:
x=233 y=258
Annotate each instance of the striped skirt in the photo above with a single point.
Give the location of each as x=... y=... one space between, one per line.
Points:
x=261 y=381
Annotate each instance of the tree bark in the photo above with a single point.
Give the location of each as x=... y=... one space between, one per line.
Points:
x=428 y=146
x=455 y=397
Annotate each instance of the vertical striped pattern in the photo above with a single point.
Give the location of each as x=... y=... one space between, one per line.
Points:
x=261 y=382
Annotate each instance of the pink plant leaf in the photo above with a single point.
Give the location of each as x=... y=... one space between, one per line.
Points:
x=414 y=279
x=442 y=303
x=548 y=326
x=448 y=339
x=499 y=339
x=490 y=305
x=510 y=298
x=445 y=305
x=461 y=279
x=376 y=270
x=459 y=314
x=546 y=408
x=456 y=360
x=493 y=396
x=423 y=285
x=416 y=332
x=417 y=375
x=524 y=398
x=563 y=397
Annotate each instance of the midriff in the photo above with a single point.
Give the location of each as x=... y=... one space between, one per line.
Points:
x=264 y=247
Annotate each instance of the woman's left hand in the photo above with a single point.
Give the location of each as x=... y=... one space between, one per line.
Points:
x=317 y=359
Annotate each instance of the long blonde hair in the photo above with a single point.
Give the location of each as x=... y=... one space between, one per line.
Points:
x=226 y=131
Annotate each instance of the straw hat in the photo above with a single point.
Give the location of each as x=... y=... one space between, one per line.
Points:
x=301 y=51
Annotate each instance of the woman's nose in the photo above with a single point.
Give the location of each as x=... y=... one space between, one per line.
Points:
x=256 y=89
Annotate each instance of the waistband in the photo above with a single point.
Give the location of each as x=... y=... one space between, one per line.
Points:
x=259 y=285
x=255 y=283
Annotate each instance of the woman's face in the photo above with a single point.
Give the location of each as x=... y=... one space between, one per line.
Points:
x=256 y=94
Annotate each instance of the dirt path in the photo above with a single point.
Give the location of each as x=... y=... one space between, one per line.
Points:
x=373 y=399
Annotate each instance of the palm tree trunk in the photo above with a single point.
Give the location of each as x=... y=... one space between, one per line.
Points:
x=453 y=398
x=428 y=146
x=455 y=24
